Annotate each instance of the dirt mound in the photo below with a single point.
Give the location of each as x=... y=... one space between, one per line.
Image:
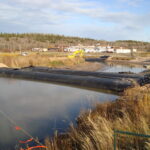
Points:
x=3 y=65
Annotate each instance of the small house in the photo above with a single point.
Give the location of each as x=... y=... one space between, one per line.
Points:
x=122 y=50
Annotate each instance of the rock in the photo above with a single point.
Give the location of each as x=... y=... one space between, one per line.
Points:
x=147 y=66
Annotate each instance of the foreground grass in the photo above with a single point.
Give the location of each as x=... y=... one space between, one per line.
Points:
x=131 y=112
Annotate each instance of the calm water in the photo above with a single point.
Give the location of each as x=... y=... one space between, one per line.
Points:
x=123 y=68
x=40 y=108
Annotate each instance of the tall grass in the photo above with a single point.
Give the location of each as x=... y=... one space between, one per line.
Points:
x=94 y=131
x=35 y=59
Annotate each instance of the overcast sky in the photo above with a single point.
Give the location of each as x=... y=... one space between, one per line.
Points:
x=98 y=19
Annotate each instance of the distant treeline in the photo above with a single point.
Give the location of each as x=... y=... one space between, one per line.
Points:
x=140 y=45
x=27 y=41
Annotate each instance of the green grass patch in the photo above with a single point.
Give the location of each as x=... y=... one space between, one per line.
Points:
x=56 y=63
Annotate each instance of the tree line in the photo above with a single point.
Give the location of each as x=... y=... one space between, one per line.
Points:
x=27 y=41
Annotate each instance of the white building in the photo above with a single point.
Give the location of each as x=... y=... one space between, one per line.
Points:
x=71 y=49
x=124 y=51
x=102 y=49
x=110 y=49
x=39 y=49
x=99 y=49
x=44 y=49
x=90 y=50
x=134 y=50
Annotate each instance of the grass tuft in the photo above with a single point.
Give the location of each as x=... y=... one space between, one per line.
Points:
x=94 y=131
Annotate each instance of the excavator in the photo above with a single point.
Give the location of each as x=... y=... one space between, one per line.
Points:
x=80 y=52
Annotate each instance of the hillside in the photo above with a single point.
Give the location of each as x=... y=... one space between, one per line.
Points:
x=12 y=42
x=15 y=42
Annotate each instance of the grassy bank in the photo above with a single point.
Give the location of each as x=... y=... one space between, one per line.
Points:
x=130 y=112
x=47 y=59
x=15 y=60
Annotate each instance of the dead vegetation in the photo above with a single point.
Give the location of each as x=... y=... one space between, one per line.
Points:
x=115 y=58
x=95 y=129
x=15 y=60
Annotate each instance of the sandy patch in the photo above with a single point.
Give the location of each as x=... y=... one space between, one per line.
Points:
x=3 y=65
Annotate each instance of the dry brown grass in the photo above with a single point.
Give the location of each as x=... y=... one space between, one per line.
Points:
x=144 y=54
x=131 y=112
x=38 y=59
x=121 y=58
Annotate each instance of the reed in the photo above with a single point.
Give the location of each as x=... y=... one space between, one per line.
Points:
x=94 y=131
x=39 y=59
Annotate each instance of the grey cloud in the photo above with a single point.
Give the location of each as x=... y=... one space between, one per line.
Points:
x=51 y=16
x=87 y=9
x=16 y=15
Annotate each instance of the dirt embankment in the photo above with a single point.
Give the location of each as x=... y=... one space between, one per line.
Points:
x=129 y=60
x=53 y=60
x=87 y=66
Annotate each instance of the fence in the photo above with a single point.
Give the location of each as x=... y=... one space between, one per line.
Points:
x=116 y=132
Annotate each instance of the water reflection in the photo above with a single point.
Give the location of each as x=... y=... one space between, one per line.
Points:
x=41 y=108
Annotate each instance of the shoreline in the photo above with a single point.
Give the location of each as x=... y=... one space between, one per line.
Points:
x=128 y=62
x=95 y=128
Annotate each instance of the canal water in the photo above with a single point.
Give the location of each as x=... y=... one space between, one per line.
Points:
x=122 y=68
x=40 y=108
